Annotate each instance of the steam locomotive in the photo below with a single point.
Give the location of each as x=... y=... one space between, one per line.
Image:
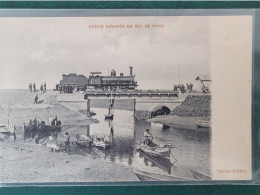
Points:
x=96 y=81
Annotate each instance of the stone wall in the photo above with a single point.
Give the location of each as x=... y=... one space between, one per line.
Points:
x=194 y=106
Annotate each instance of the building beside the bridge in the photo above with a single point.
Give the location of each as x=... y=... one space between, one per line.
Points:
x=204 y=80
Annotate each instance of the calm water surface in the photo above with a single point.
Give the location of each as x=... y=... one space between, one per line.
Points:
x=191 y=149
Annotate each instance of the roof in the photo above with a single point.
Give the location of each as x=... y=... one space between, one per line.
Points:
x=203 y=78
x=95 y=72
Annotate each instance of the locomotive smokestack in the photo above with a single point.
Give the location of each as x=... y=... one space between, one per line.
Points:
x=131 y=71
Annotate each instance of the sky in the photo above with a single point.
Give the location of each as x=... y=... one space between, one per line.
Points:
x=41 y=49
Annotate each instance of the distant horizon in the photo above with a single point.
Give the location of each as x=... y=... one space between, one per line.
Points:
x=40 y=49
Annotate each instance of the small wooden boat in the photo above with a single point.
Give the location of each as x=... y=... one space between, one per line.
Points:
x=152 y=176
x=101 y=142
x=202 y=123
x=160 y=162
x=199 y=175
x=4 y=128
x=162 y=151
x=109 y=116
x=7 y=128
x=83 y=140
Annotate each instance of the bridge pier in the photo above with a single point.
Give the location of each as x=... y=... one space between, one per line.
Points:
x=88 y=108
x=134 y=107
x=88 y=130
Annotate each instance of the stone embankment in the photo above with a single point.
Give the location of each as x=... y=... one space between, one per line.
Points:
x=194 y=106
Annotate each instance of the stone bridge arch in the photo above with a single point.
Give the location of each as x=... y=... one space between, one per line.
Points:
x=144 y=108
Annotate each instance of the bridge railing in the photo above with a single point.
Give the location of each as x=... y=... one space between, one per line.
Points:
x=140 y=94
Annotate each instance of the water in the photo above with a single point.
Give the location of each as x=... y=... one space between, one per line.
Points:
x=191 y=149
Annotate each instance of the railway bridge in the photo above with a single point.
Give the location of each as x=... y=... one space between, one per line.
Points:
x=144 y=101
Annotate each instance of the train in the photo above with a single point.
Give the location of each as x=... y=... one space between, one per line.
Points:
x=96 y=81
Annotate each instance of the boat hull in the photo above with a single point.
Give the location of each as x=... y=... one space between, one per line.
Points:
x=101 y=144
x=163 y=152
x=84 y=143
x=203 y=124
x=109 y=117
x=152 y=176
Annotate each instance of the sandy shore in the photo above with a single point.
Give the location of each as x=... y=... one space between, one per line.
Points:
x=24 y=163
x=29 y=163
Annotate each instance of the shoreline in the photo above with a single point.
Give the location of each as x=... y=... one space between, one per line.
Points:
x=36 y=164
x=29 y=163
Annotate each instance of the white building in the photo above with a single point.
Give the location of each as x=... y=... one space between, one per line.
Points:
x=204 y=80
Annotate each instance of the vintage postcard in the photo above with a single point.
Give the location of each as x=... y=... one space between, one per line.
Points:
x=125 y=98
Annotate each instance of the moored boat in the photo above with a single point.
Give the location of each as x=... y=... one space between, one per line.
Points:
x=153 y=176
x=101 y=142
x=162 y=163
x=203 y=123
x=162 y=151
x=109 y=116
x=83 y=140
x=200 y=175
x=4 y=128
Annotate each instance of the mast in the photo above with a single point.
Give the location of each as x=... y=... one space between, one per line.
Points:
x=111 y=105
x=8 y=114
x=179 y=69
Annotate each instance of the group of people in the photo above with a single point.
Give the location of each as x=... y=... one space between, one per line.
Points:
x=43 y=87
x=204 y=89
x=179 y=87
x=182 y=88
x=54 y=121
x=65 y=88
x=32 y=87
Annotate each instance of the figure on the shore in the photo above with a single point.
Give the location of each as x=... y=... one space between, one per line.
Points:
x=35 y=123
x=36 y=138
x=191 y=86
x=36 y=99
x=175 y=87
x=67 y=142
x=50 y=120
x=54 y=121
x=34 y=87
x=41 y=88
x=14 y=134
x=147 y=137
x=57 y=87
x=44 y=87
x=60 y=88
x=30 y=87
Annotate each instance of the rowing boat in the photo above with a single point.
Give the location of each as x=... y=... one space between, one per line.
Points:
x=153 y=176
x=162 y=151
x=109 y=116
x=100 y=142
x=83 y=140
x=202 y=123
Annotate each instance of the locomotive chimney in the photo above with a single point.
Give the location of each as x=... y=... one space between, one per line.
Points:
x=131 y=71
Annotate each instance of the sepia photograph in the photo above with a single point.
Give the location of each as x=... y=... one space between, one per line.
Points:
x=125 y=99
